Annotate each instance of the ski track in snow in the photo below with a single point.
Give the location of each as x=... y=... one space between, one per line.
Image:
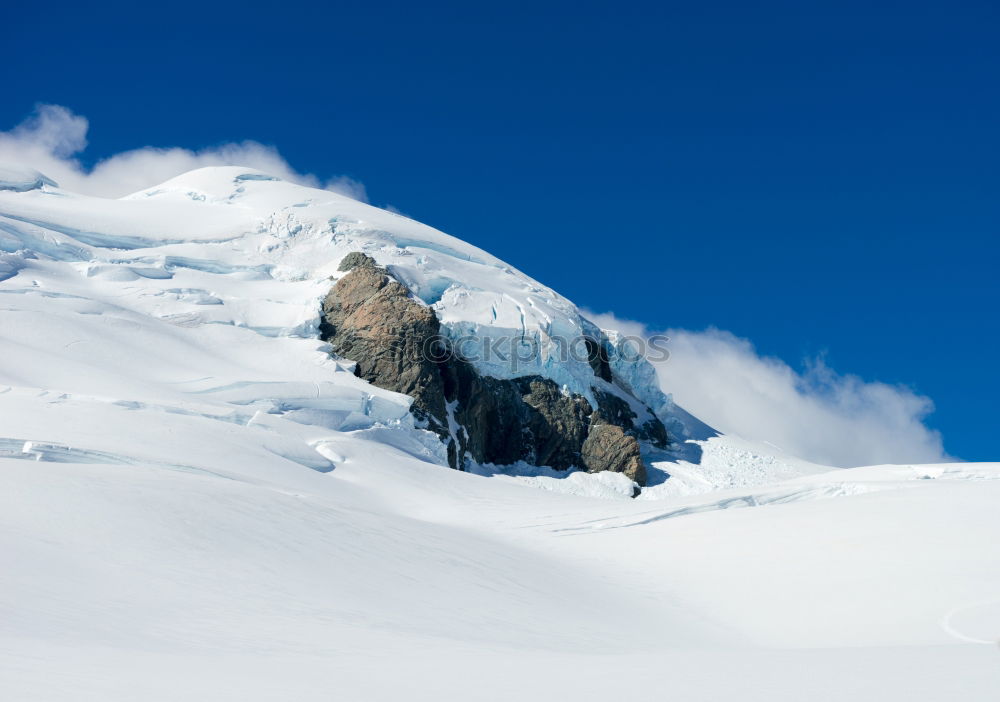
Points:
x=200 y=503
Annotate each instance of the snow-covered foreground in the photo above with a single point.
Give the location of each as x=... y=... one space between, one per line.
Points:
x=198 y=503
x=390 y=578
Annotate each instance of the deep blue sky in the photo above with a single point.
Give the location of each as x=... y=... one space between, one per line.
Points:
x=817 y=177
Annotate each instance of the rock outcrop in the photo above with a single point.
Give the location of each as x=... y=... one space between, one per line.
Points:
x=395 y=340
x=370 y=318
x=521 y=419
x=609 y=448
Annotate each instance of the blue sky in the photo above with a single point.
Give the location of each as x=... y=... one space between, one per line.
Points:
x=820 y=178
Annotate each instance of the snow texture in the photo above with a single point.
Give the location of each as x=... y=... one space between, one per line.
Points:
x=20 y=179
x=199 y=502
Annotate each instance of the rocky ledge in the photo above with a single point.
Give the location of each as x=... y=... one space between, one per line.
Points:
x=395 y=340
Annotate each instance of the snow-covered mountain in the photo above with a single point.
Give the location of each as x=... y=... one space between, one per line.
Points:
x=200 y=501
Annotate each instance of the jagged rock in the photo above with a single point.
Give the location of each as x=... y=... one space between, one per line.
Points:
x=355 y=259
x=609 y=448
x=522 y=419
x=489 y=412
x=372 y=319
x=654 y=432
x=557 y=422
x=614 y=410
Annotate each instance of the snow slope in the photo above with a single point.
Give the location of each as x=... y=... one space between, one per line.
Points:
x=199 y=503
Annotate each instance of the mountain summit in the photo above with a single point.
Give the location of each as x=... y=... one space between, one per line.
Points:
x=503 y=370
x=231 y=408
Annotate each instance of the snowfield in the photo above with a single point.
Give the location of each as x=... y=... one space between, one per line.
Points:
x=200 y=503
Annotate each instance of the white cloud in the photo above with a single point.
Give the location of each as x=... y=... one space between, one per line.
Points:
x=817 y=414
x=51 y=138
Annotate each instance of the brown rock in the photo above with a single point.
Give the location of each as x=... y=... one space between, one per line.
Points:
x=370 y=318
x=609 y=448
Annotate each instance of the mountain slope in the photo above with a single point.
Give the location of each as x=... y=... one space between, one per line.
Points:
x=227 y=247
x=200 y=502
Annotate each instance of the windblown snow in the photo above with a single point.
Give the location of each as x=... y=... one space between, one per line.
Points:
x=199 y=502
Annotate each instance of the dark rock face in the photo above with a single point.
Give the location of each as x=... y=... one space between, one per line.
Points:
x=616 y=411
x=371 y=318
x=597 y=356
x=523 y=419
x=557 y=422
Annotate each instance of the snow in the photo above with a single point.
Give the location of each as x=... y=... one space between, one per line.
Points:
x=639 y=376
x=20 y=179
x=521 y=327
x=199 y=502
x=604 y=485
x=721 y=462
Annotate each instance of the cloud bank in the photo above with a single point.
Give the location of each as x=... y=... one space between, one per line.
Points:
x=817 y=414
x=53 y=136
